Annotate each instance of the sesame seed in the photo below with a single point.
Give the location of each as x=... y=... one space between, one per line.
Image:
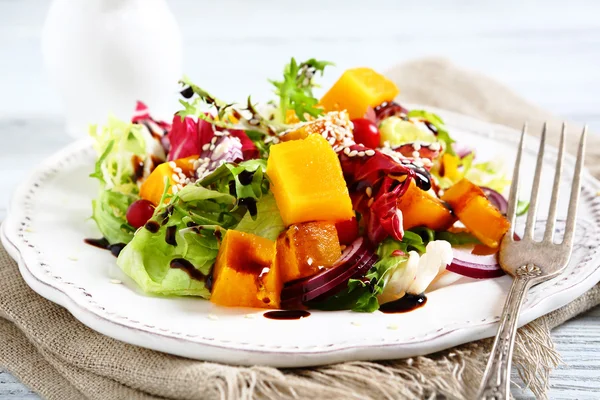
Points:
x=212 y=147
x=175 y=178
x=353 y=153
x=415 y=154
x=172 y=164
x=361 y=153
x=347 y=150
x=435 y=146
x=212 y=316
x=175 y=189
x=418 y=163
x=370 y=152
x=320 y=267
x=205 y=146
x=214 y=139
x=178 y=170
x=332 y=141
x=275 y=140
x=370 y=203
x=324 y=134
x=115 y=281
x=369 y=191
x=416 y=146
x=309 y=261
x=192 y=161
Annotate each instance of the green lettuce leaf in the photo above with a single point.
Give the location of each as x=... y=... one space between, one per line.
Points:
x=268 y=222
x=189 y=228
x=442 y=133
x=108 y=211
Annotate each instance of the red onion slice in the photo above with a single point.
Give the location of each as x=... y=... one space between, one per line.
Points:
x=496 y=199
x=475 y=266
x=354 y=263
x=350 y=257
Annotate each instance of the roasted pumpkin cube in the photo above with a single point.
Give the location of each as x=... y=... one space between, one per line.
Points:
x=307 y=181
x=476 y=212
x=244 y=274
x=420 y=208
x=153 y=187
x=305 y=249
x=357 y=90
x=461 y=193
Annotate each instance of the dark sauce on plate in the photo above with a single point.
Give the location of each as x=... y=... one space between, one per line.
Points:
x=287 y=314
x=102 y=243
x=405 y=304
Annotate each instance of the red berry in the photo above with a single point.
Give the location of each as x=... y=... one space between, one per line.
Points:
x=347 y=231
x=139 y=212
x=366 y=133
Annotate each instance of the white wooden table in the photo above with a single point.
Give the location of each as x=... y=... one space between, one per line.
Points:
x=547 y=51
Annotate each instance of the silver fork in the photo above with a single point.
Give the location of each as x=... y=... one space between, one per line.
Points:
x=529 y=262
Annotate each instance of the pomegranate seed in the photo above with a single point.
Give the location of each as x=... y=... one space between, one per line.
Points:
x=139 y=212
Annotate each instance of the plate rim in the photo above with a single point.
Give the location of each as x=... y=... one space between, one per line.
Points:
x=319 y=356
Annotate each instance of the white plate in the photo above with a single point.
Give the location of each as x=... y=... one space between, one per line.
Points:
x=49 y=218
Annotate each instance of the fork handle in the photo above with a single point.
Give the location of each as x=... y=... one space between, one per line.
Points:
x=496 y=379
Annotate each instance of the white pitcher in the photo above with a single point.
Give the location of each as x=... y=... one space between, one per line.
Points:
x=104 y=55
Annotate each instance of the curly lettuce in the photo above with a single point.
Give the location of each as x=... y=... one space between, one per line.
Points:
x=118 y=144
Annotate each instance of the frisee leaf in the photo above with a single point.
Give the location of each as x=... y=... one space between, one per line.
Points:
x=295 y=90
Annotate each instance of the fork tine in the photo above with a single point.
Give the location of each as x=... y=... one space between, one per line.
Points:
x=575 y=189
x=530 y=225
x=549 y=234
x=514 y=187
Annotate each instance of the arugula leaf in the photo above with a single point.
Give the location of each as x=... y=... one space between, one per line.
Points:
x=440 y=127
x=295 y=90
x=457 y=238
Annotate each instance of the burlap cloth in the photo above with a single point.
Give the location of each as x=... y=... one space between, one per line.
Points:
x=46 y=348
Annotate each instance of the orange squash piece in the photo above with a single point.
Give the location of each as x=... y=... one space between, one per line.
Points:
x=420 y=208
x=357 y=90
x=461 y=193
x=307 y=181
x=153 y=187
x=476 y=212
x=244 y=274
x=304 y=249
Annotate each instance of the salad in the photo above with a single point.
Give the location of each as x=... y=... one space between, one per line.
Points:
x=350 y=201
